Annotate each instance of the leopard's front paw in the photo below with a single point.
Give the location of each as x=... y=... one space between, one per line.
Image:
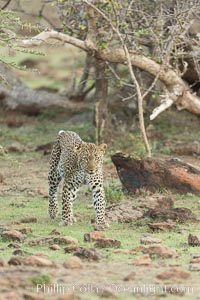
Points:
x=53 y=213
x=65 y=223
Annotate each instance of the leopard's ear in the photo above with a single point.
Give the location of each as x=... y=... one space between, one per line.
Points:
x=103 y=147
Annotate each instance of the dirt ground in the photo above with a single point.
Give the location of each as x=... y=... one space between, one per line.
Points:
x=126 y=272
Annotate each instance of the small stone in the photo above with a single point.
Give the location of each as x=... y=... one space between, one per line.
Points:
x=149 y=240
x=73 y=262
x=41 y=254
x=173 y=273
x=14 y=245
x=193 y=240
x=55 y=232
x=174 y=291
x=163 y=226
x=142 y=260
x=107 y=293
x=71 y=248
x=66 y=240
x=195 y=260
x=18 y=252
x=26 y=230
x=16 y=147
x=194 y=267
x=92 y=236
x=33 y=260
x=130 y=276
x=13 y=235
x=2 y=263
x=32 y=296
x=121 y=251
x=54 y=247
x=67 y=296
x=88 y=254
x=29 y=220
x=196 y=255
x=107 y=243
x=16 y=260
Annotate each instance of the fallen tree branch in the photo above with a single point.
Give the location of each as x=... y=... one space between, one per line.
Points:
x=179 y=90
x=165 y=104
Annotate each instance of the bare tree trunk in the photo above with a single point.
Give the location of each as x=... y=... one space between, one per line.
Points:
x=101 y=100
x=80 y=92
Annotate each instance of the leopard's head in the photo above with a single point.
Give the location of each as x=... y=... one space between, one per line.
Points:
x=90 y=156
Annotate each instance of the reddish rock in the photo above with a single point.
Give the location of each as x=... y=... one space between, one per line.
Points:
x=107 y=243
x=195 y=259
x=29 y=220
x=149 y=240
x=33 y=260
x=41 y=241
x=2 y=263
x=73 y=262
x=123 y=212
x=41 y=254
x=163 y=226
x=178 y=214
x=88 y=254
x=65 y=240
x=158 y=250
x=194 y=267
x=18 y=252
x=14 y=245
x=26 y=230
x=173 y=273
x=71 y=248
x=56 y=232
x=44 y=192
x=12 y=235
x=92 y=236
x=142 y=260
x=193 y=240
x=155 y=201
x=173 y=290
x=16 y=147
x=54 y=247
x=130 y=276
x=67 y=296
x=121 y=251
x=11 y=295
x=107 y=293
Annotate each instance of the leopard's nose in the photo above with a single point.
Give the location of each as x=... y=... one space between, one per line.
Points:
x=91 y=167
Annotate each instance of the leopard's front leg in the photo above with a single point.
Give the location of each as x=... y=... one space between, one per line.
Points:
x=95 y=182
x=68 y=197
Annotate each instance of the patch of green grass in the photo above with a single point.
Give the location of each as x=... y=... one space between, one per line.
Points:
x=41 y=279
x=113 y=192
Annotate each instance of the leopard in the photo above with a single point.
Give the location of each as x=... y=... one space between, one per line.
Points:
x=76 y=162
